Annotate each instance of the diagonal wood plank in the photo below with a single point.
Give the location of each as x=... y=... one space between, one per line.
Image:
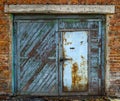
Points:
x=37 y=43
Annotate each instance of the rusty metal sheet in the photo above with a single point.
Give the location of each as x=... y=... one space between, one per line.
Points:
x=75 y=67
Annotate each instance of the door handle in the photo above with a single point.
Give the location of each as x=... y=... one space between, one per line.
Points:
x=64 y=59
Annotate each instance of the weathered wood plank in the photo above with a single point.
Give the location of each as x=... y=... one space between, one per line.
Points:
x=36 y=43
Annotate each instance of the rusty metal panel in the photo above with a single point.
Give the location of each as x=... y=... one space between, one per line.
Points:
x=75 y=67
x=36 y=67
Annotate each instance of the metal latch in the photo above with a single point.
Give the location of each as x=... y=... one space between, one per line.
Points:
x=64 y=59
x=52 y=58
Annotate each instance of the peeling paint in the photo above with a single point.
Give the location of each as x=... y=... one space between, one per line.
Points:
x=75 y=74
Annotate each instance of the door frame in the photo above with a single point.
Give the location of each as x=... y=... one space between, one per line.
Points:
x=61 y=69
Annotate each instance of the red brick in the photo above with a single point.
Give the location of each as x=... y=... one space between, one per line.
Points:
x=74 y=1
x=3 y=15
x=99 y=1
x=82 y=2
x=4 y=36
x=1 y=8
x=117 y=9
x=114 y=21
x=117 y=2
x=2 y=1
x=3 y=85
x=12 y=1
x=4 y=47
x=115 y=69
x=114 y=28
x=27 y=1
x=117 y=16
x=4 y=61
x=91 y=2
x=53 y=2
x=4 y=43
x=63 y=1
x=4 y=22
x=103 y=2
x=2 y=68
x=109 y=2
x=4 y=28
x=5 y=74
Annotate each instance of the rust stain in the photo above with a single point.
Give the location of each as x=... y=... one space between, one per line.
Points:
x=83 y=63
x=65 y=88
x=64 y=65
x=68 y=43
x=65 y=40
x=75 y=78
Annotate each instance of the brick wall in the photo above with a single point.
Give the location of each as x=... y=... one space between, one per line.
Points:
x=5 y=71
x=113 y=43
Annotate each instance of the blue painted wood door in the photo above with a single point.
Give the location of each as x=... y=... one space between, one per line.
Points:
x=36 y=68
x=58 y=55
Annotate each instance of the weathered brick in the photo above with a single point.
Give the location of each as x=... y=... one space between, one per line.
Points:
x=102 y=2
x=109 y=2
x=4 y=36
x=117 y=2
x=3 y=15
x=117 y=9
x=82 y=2
x=12 y=1
x=4 y=43
x=114 y=21
x=1 y=8
x=114 y=28
x=115 y=74
x=53 y=2
x=113 y=90
x=91 y=2
x=4 y=60
x=4 y=28
x=26 y=1
x=115 y=69
x=3 y=85
x=117 y=16
x=4 y=22
x=5 y=74
x=63 y=2
x=2 y=1
x=74 y=1
x=4 y=47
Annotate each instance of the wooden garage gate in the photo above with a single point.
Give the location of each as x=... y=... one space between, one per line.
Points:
x=58 y=55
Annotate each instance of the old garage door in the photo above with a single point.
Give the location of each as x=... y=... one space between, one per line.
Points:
x=58 y=55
